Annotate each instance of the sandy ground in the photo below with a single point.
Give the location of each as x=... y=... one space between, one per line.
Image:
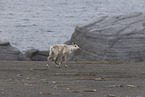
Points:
x=33 y=79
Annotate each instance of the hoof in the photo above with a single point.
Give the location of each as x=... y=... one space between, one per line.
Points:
x=47 y=66
x=58 y=66
x=66 y=66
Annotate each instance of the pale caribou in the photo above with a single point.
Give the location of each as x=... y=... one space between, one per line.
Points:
x=61 y=49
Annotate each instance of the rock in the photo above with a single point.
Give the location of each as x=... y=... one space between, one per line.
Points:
x=10 y=53
x=111 y=38
x=36 y=55
x=30 y=53
x=4 y=43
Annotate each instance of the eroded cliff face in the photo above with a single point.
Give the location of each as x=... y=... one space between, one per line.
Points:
x=10 y=53
x=111 y=38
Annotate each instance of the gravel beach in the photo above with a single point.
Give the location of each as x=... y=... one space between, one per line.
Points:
x=98 y=79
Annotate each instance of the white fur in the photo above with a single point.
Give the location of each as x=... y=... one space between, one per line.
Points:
x=61 y=49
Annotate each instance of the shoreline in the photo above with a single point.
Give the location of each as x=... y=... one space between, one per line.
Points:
x=32 y=78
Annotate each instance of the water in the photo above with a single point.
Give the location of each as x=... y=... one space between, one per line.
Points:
x=40 y=23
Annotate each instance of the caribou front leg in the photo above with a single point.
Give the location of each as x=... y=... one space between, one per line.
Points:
x=56 y=60
x=66 y=61
x=61 y=60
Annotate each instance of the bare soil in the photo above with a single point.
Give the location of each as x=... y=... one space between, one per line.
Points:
x=33 y=79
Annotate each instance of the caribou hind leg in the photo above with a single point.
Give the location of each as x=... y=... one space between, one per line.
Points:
x=50 y=54
x=55 y=60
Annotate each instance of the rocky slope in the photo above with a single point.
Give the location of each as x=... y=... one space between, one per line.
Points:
x=111 y=38
x=8 y=52
x=36 y=55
